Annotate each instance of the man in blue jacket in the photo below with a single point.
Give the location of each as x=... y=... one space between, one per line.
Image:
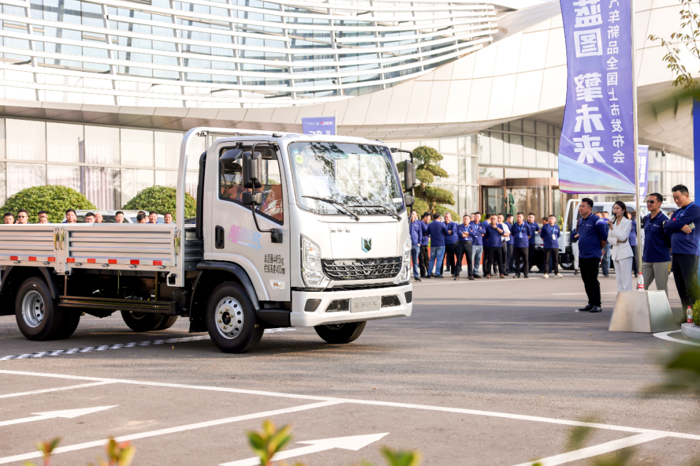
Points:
x=684 y=233
x=424 y=245
x=534 y=228
x=521 y=240
x=510 y=264
x=416 y=237
x=465 y=234
x=494 y=246
x=550 y=237
x=477 y=242
x=437 y=231
x=592 y=238
x=450 y=246
x=656 y=256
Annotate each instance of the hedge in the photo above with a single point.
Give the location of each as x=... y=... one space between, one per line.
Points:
x=162 y=200
x=54 y=199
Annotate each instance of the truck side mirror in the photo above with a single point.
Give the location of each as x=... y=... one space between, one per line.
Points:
x=409 y=176
x=408 y=200
x=250 y=198
x=252 y=170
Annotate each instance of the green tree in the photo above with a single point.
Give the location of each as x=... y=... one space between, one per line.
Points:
x=54 y=199
x=426 y=158
x=688 y=38
x=162 y=199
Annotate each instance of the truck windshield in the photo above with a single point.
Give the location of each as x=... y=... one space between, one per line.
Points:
x=340 y=178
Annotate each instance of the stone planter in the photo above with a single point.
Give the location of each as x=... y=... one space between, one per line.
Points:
x=691 y=331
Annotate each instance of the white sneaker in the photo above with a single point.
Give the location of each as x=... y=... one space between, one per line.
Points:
x=545 y=275
x=560 y=275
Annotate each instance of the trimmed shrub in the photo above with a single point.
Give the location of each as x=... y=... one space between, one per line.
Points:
x=54 y=199
x=162 y=200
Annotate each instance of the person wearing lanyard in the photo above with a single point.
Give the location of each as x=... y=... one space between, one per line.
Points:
x=477 y=243
x=550 y=237
x=656 y=252
x=424 y=245
x=416 y=237
x=534 y=228
x=682 y=228
x=633 y=243
x=437 y=231
x=450 y=245
x=510 y=267
x=494 y=246
x=592 y=238
x=504 y=240
x=465 y=233
x=521 y=239
x=621 y=252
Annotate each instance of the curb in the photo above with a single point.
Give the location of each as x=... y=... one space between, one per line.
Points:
x=691 y=331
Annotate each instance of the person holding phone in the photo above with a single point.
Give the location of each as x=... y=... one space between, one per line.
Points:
x=684 y=245
x=621 y=252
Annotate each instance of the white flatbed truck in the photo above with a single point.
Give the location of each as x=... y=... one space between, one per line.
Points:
x=291 y=231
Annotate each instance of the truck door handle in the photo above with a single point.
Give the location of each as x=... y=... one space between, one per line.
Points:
x=219 y=237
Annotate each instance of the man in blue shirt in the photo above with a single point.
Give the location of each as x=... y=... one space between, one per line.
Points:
x=510 y=264
x=416 y=237
x=477 y=242
x=424 y=245
x=520 y=233
x=592 y=238
x=437 y=231
x=494 y=246
x=465 y=234
x=550 y=237
x=685 y=234
x=605 y=264
x=534 y=228
x=656 y=256
x=451 y=246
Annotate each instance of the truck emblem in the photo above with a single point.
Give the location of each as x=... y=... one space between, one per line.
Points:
x=366 y=244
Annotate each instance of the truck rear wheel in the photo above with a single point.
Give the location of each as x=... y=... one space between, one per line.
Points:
x=168 y=321
x=38 y=316
x=142 y=321
x=341 y=333
x=231 y=320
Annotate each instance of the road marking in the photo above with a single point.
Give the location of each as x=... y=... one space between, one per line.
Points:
x=171 y=430
x=90 y=349
x=666 y=336
x=354 y=443
x=57 y=389
x=67 y=414
x=390 y=404
x=595 y=450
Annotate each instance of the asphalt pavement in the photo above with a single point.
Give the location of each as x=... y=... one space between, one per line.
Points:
x=489 y=372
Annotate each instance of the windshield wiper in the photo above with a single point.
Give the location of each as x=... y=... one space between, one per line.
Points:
x=335 y=203
x=379 y=206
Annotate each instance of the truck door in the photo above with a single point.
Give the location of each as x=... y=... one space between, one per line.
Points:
x=234 y=235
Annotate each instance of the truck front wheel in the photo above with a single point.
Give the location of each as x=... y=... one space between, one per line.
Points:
x=142 y=321
x=341 y=333
x=38 y=317
x=231 y=319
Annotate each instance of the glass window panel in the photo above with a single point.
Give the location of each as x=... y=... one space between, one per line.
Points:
x=26 y=139
x=64 y=175
x=64 y=145
x=541 y=128
x=167 y=151
x=24 y=175
x=484 y=148
x=450 y=164
x=542 y=153
x=3 y=142
x=101 y=187
x=529 y=126
x=134 y=181
x=516 y=150
x=449 y=146
x=102 y=145
x=529 y=151
x=497 y=148
x=137 y=148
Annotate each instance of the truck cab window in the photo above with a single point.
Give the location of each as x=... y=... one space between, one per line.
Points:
x=230 y=180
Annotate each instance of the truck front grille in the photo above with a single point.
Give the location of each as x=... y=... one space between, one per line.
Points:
x=362 y=269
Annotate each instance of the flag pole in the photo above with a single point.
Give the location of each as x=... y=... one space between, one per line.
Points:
x=640 y=280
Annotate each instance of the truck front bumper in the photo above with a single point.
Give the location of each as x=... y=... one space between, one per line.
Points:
x=398 y=300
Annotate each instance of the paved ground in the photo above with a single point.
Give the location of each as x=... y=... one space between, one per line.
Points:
x=491 y=372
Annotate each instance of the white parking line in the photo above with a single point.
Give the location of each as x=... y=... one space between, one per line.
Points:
x=133 y=344
x=171 y=430
x=595 y=450
x=57 y=389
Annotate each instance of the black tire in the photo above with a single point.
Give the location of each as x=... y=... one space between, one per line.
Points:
x=341 y=333
x=168 y=321
x=142 y=321
x=567 y=265
x=38 y=316
x=238 y=329
x=71 y=319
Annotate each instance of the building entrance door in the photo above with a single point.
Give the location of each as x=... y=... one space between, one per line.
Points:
x=492 y=199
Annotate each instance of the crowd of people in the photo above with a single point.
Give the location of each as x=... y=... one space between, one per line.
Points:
x=507 y=245
x=22 y=217
x=670 y=245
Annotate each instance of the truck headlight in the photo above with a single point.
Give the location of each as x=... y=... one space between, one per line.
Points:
x=406 y=262
x=311 y=270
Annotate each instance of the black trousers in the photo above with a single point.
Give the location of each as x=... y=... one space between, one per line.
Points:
x=465 y=249
x=424 y=260
x=589 y=274
x=554 y=254
x=518 y=254
x=450 y=253
x=510 y=267
x=685 y=273
x=634 y=261
x=495 y=257
x=531 y=256
x=504 y=255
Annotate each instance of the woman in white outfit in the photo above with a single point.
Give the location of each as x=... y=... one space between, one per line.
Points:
x=621 y=253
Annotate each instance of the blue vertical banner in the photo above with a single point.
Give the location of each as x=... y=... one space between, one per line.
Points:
x=696 y=144
x=596 y=150
x=643 y=165
x=318 y=125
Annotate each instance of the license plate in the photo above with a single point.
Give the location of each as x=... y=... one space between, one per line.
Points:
x=365 y=304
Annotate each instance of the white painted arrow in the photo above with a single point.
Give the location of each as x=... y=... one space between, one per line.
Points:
x=353 y=443
x=67 y=414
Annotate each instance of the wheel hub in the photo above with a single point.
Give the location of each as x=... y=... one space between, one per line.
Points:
x=33 y=309
x=229 y=318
